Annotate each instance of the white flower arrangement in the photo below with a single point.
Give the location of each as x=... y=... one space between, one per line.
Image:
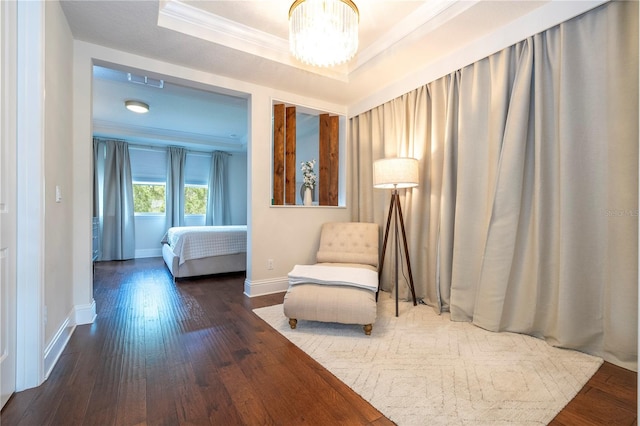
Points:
x=308 y=173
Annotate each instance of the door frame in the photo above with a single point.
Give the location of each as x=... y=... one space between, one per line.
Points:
x=30 y=193
x=8 y=201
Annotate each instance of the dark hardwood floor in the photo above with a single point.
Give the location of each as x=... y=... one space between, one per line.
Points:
x=194 y=353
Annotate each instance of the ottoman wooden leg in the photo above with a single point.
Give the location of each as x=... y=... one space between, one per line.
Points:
x=367 y=329
x=293 y=322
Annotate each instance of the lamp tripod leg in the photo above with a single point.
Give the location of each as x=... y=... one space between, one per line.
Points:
x=406 y=250
x=395 y=210
x=396 y=246
x=386 y=237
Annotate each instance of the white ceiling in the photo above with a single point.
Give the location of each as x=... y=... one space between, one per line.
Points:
x=247 y=40
x=177 y=114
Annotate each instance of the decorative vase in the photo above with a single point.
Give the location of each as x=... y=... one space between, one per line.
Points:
x=307 y=197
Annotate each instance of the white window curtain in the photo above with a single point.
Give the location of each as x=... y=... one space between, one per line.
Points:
x=218 y=212
x=174 y=207
x=526 y=218
x=113 y=199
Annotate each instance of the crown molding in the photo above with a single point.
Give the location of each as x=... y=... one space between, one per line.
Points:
x=184 y=18
x=423 y=20
x=187 y=19
x=150 y=134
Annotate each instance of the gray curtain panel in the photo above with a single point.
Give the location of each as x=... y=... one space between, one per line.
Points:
x=174 y=201
x=98 y=173
x=113 y=199
x=218 y=212
x=526 y=218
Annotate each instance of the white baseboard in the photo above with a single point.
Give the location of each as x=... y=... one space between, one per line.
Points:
x=80 y=314
x=54 y=349
x=263 y=287
x=85 y=314
x=156 y=252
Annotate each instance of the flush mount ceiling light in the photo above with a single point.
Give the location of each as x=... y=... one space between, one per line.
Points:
x=323 y=33
x=136 y=106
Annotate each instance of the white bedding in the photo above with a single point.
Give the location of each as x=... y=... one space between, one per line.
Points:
x=334 y=275
x=196 y=242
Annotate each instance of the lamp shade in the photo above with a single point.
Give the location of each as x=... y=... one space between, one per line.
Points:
x=400 y=172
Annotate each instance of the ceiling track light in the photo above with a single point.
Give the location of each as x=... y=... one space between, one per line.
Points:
x=147 y=81
x=136 y=106
x=323 y=33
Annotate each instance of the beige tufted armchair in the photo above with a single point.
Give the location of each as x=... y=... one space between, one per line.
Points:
x=342 y=244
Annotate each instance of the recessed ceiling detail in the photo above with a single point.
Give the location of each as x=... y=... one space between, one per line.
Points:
x=402 y=45
x=178 y=16
x=182 y=17
x=180 y=115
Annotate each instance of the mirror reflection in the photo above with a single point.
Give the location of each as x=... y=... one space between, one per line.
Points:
x=306 y=156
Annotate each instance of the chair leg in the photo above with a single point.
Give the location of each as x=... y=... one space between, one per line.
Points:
x=367 y=329
x=293 y=322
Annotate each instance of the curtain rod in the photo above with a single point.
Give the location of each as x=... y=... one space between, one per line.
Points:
x=159 y=147
x=164 y=147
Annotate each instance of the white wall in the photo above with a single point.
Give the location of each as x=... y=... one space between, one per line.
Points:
x=149 y=231
x=286 y=234
x=58 y=170
x=58 y=173
x=82 y=154
x=46 y=314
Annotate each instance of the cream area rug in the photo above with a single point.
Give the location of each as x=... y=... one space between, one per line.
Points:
x=421 y=368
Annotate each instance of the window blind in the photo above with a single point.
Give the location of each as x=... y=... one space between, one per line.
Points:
x=197 y=169
x=148 y=165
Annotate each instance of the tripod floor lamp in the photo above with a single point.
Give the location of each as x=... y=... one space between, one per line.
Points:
x=394 y=174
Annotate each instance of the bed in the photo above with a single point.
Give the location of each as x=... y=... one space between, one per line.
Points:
x=191 y=251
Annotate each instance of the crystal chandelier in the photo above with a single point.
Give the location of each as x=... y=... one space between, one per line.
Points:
x=323 y=33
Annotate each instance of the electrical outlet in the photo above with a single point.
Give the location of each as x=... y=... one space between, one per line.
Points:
x=270 y=264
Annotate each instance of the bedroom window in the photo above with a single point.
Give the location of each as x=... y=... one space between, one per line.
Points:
x=195 y=199
x=149 y=175
x=148 y=198
x=196 y=179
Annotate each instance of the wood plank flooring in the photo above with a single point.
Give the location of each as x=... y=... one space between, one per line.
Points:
x=194 y=353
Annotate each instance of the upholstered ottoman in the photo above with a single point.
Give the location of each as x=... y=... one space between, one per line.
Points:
x=352 y=245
